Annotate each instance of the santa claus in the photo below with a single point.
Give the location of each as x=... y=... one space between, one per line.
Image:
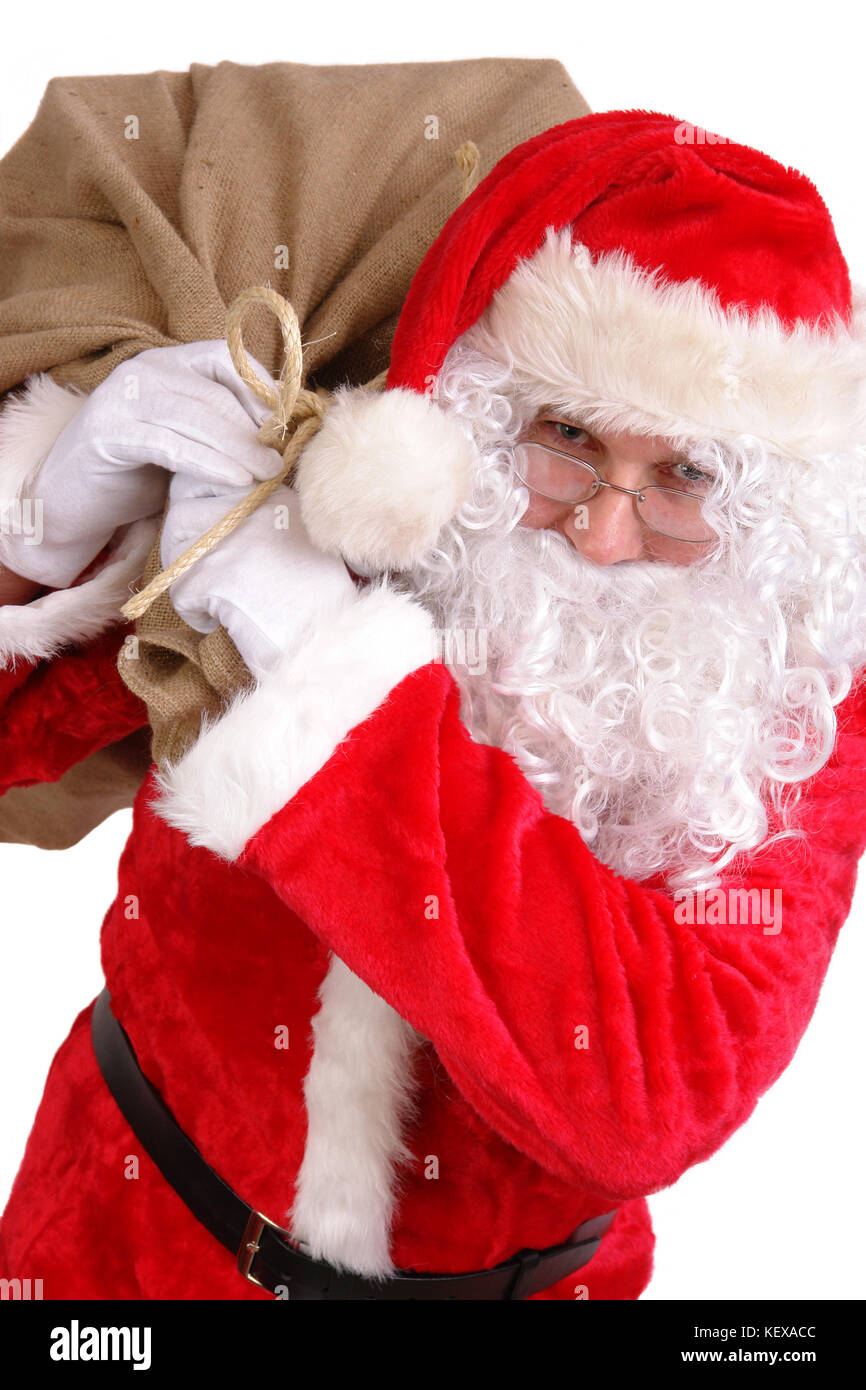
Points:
x=508 y=887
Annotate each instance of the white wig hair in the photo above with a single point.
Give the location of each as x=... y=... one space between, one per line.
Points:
x=671 y=712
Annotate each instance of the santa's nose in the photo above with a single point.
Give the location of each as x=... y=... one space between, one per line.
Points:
x=606 y=529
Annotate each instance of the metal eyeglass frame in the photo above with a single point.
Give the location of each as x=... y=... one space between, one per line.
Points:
x=636 y=494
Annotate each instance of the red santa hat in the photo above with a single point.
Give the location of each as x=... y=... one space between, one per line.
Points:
x=687 y=285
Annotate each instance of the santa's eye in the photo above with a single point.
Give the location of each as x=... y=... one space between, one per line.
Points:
x=694 y=478
x=561 y=430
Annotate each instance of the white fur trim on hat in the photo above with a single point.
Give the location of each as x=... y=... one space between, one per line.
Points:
x=636 y=352
x=385 y=472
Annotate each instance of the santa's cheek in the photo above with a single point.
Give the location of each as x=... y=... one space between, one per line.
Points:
x=542 y=512
x=670 y=552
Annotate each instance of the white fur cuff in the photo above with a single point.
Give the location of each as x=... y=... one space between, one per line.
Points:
x=30 y=424
x=247 y=765
x=36 y=631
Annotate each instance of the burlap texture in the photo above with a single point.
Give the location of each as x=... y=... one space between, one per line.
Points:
x=55 y=815
x=180 y=674
x=135 y=208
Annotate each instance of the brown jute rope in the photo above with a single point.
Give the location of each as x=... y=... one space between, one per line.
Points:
x=291 y=402
x=469 y=161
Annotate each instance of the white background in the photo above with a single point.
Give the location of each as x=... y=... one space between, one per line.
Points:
x=780 y=1211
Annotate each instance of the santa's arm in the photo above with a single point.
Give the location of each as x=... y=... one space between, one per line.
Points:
x=83 y=481
x=610 y=1042
x=54 y=713
x=61 y=695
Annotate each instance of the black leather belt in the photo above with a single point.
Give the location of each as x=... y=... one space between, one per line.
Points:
x=264 y=1252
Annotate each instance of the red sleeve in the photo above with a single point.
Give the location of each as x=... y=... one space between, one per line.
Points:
x=54 y=713
x=429 y=864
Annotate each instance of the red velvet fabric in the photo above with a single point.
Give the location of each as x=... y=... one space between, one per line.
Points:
x=55 y=713
x=688 y=1025
x=749 y=228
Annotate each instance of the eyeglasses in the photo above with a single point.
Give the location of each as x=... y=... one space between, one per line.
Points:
x=560 y=477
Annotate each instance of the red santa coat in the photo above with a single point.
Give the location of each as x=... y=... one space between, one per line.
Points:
x=338 y=864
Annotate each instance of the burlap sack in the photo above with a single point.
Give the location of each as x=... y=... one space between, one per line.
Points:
x=180 y=674
x=135 y=208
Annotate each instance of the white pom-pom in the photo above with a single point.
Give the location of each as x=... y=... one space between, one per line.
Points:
x=385 y=472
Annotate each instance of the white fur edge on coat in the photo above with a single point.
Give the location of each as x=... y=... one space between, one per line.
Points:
x=247 y=764
x=359 y=1088
x=637 y=352
x=37 y=630
x=30 y=424
x=359 y=1093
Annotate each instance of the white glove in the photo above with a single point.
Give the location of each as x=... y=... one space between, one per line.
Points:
x=266 y=582
x=189 y=410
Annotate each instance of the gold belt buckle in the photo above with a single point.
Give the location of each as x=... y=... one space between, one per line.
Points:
x=249 y=1246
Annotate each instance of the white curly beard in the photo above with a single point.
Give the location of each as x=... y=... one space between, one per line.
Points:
x=651 y=704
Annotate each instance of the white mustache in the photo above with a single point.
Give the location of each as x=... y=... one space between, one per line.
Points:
x=660 y=708
x=608 y=685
